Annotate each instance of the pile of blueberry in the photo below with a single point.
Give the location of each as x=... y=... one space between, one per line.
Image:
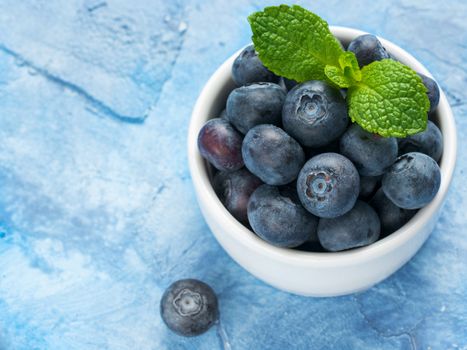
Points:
x=293 y=168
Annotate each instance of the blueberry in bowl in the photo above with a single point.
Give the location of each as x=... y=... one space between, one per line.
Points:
x=357 y=258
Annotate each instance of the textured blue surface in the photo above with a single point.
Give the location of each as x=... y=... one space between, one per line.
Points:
x=97 y=211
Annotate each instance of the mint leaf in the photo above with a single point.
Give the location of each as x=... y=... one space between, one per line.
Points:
x=347 y=74
x=349 y=64
x=389 y=100
x=294 y=43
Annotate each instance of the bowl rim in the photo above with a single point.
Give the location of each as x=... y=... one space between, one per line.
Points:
x=237 y=231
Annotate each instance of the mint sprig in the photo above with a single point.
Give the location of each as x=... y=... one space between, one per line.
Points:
x=294 y=42
x=384 y=97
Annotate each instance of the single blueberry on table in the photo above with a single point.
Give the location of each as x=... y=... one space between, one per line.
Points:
x=391 y=216
x=314 y=113
x=221 y=145
x=189 y=307
x=372 y=154
x=429 y=142
x=328 y=185
x=358 y=227
x=368 y=185
x=412 y=181
x=432 y=91
x=234 y=189
x=367 y=48
x=272 y=155
x=277 y=216
x=251 y=105
x=248 y=68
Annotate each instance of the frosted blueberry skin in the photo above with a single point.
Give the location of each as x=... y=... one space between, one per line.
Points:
x=358 y=227
x=391 y=216
x=234 y=190
x=432 y=91
x=277 y=216
x=314 y=113
x=272 y=155
x=412 y=181
x=429 y=142
x=248 y=68
x=251 y=105
x=328 y=185
x=189 y=307
x=368 y=185
x=367 y=48
x=372 y=154
x=221 y=145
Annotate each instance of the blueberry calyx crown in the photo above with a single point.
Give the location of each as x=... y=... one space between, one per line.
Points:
x=188 y=303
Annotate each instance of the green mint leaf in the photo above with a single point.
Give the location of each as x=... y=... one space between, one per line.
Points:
x=349 y=64
x=294 y=43
x=390 y=100
x=337 y=77
x=347 y=74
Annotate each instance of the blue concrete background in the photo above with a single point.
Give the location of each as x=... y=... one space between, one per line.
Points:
x=97 y=211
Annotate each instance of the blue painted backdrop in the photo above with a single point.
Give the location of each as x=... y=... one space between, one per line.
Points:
x=97 y=211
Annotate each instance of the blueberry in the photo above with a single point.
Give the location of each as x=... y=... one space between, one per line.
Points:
x=412 y=181
x=372 y=154
x=189 y=307
x=391 y=216
x=368 y=185
x=247 y=68
x=368 y=49
x=276 y=215
x=221 y=144
x=432 y=91
x=272 y=155
x=314 y=113
x=289 y=83
x=357 y=228
x=234 y=190
x=255 y=104
x=328 y=185
x=429 y=142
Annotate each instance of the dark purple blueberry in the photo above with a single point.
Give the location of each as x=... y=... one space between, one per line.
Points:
x=391 y=216
x=255 y=104
x=328 y=185
x=221 y=145
x=432 y=91
x=234 y=189
x=412 y=181
x=189 y=307
x=248 y=68
x=358 y=227
x=272 y=155
x=277 y=216
x=368 y=185
x=314 y=113
x=429 y=142
x=367 y=48
x=372 y=154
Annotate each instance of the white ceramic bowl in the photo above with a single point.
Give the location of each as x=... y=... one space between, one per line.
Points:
x=307 y=273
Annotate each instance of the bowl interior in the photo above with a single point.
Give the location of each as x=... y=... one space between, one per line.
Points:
x=212 y=101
